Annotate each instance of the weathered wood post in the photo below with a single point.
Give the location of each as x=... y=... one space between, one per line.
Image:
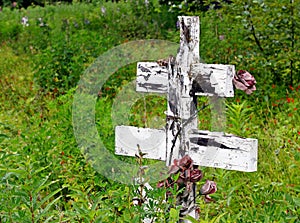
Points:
x=183 y=79
x=182 y=104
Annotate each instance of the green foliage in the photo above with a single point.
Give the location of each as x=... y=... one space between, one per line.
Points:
x=9 y=30
x=263 y=39
x=190 y=6
x=66 y=39
x=239 y=117
x=145 y=112
x=44 y=177
x=26 y=196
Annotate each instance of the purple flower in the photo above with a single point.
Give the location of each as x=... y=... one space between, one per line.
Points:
x=244 y=81
x=209 y=187
x=178 y=24
x=221 y=37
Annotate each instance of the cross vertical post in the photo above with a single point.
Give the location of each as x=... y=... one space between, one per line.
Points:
x=181 y=105
x=183 y=79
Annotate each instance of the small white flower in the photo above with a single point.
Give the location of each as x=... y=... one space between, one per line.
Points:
x=24 y=21
x=103 y=10
x=41 y=22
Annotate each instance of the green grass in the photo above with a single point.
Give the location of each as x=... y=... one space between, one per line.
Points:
x=44 y=177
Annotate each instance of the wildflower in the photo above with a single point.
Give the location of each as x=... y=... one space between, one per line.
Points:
x=221 y=37
x=86 y=21
x=24 y=21
x=244 y=81
x=209 y=187
x=41 y=23
x=290 y=100
x=178 y=24
x=103 y=10
x=75 y=24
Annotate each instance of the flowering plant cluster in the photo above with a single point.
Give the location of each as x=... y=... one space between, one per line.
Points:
x=188 y=174
x=24 y=21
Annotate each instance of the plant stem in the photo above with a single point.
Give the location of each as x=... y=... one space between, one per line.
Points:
x=253 y=32
x=31 y=208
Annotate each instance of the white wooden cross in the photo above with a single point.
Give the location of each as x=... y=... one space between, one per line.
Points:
x=183 y=79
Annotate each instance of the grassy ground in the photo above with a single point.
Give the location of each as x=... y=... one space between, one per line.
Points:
x=45 y=178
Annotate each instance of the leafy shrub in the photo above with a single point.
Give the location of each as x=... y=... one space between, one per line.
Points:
x=10 y=28
x=262 y=40
x=84 y=33
x=191 y=6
